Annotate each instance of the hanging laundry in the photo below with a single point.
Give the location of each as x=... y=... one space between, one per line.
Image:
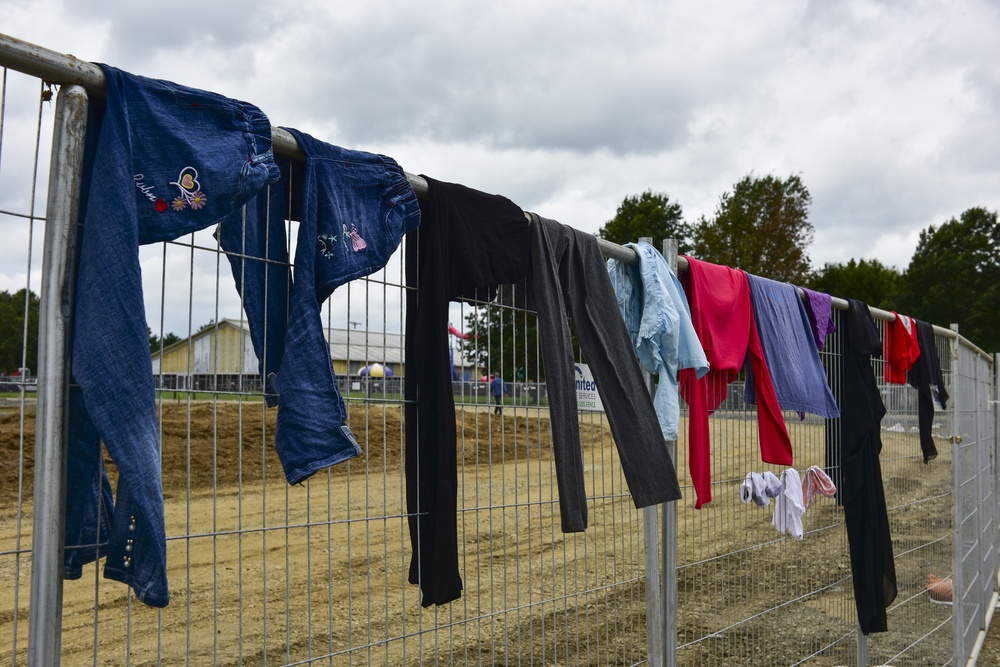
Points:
x=754 y=489
x=788 y=506
x=796 y=370
x=168 y=160
x=469 y=243
x=820 y=316
x=862 y=494
x=814 y=481
x=900 y=348
x=772 y=485
x=569 y=280
x=658 y=319
x=724 y=321
x=334 y=188
x=925 y=372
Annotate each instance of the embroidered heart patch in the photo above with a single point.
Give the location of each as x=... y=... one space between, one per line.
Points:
x=190 y=191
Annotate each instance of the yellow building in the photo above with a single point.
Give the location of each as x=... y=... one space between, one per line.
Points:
x=221 y=357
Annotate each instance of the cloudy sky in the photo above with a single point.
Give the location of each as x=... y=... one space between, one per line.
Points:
x=889 y=109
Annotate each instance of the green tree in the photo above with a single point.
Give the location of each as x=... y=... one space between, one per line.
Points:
x=155 y=344
x=502 y=340
x=649 y=214
x=868 y=280
x=16 y=351
x=954 y=276
x=762 y=226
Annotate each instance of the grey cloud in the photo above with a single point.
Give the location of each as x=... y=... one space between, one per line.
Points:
x=178 y=41
x=513 y=87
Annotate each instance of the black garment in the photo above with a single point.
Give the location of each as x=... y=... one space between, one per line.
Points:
x=861 y=412
x=925 y=372
x=469 y=242
x=498 y=399
x=569 y=278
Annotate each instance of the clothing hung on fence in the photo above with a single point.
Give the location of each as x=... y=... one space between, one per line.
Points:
x=754 y=490
x=901 y=349
x=658 y=319
x=925 y=372
x=469 y=243
x=814 y=481
x=772 y=484
x=168 y=160
x=861 y=492
x=353 y=208
x=785 y=335
x=788 y=505
x=569 y=280
x=724 y=320
x=820 y=316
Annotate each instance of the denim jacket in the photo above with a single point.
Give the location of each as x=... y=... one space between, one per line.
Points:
x=168 y=160
x=353 y=208
x=658 y=319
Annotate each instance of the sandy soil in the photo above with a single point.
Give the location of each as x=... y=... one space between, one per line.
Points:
x=263 y=573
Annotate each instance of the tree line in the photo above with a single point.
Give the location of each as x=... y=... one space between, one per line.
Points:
x=20 y=350
x=763 y=227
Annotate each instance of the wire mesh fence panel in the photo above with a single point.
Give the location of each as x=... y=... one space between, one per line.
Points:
x=262 y=572
x=25 y=144
x=974 y=504
x=918 y=500
x=747 y=593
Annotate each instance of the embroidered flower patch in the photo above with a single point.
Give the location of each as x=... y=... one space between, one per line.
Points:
x=357 y=243
x=191 y=193
x=325 y=244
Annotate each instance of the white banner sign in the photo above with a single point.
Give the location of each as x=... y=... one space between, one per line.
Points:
x=587 y=397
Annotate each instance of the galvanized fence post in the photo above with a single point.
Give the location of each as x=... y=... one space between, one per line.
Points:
x=862 y=648
x=654 y=609
x=55 y=312
x=669 y=532
x=957 y=544
x=994 y=453
x=984 y=485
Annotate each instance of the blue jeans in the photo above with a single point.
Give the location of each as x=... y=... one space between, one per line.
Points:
x=168 y=160
x=353 y=209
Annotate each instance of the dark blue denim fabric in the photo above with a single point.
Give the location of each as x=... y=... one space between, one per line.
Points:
x=169 y=160
x=353 y=208
x=256 y=246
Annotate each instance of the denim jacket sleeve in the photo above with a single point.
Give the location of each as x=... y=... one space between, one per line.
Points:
x=168 y=160
x=659 y=320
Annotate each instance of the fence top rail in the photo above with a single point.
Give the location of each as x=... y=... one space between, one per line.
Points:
x=64 y=69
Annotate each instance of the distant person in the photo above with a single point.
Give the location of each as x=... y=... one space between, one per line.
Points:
x=498 y=389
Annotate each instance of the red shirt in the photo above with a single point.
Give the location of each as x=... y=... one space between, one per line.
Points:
x=723 y=319
x=900 y=347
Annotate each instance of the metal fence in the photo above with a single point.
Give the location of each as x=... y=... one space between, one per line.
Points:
x=262 y=573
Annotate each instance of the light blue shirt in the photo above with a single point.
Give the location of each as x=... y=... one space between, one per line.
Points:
x=658 y=319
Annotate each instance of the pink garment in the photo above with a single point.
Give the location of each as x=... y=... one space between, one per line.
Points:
x=723 y=318
x=814 y=481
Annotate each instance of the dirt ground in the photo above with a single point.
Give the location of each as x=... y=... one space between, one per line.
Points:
x=263 y=573
x=989 y=656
